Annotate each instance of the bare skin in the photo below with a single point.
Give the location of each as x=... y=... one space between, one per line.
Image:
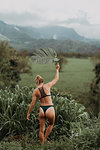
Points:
x=50 y=113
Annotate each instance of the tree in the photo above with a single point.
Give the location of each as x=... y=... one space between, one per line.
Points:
x=23 y=62
x=4 y=50
x=12 y=63
x=9 y=75
x=62 y=61
x=95 y=91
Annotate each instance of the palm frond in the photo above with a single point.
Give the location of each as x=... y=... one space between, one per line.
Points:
x=45 y=55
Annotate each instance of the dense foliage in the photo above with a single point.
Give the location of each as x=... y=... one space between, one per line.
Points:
x=73 y=127
x=94 y=94
x=9 y=74
x=12 y=63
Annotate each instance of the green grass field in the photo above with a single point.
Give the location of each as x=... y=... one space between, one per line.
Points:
x=75 y=77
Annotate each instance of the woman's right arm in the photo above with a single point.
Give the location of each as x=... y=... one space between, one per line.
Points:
x=54 y=81
x=31 y=105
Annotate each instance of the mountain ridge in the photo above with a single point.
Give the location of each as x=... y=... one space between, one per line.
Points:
x=13 y=32
x=52 y=32
x=56 y=37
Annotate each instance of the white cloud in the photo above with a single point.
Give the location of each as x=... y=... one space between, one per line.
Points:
x=51 y=12
x=53 y=9
x=92 y=31
x=23 y=19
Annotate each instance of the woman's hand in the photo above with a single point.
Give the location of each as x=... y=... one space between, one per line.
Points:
x=28 y=116
x=57 y=66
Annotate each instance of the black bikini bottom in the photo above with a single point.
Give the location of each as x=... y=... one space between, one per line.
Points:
x=46 y=107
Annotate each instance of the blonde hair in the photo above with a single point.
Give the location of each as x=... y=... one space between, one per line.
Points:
x=39 y=79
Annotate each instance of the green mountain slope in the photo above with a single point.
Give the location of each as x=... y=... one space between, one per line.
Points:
x=59 y=38
x=13 y=33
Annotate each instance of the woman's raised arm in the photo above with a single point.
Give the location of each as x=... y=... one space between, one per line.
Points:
x=54 y=81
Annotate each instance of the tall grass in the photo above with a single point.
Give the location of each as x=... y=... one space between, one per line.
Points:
x=73 y=127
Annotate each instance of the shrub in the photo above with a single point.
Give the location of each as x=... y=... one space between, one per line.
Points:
x=14 y=106
x=73 y=129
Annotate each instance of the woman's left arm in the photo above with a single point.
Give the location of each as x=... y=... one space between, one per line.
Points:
x=31 y=105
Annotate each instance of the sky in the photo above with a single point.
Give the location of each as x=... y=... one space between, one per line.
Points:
x=82 y=15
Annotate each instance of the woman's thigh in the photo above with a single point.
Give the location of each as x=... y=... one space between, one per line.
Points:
x=42 y=119
x=50 y=115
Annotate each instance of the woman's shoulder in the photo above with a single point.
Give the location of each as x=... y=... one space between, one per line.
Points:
x=49 y=84
x=46 y=85
x=35 y=90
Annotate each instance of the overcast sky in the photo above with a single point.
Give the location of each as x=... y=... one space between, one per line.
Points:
x=82 y=15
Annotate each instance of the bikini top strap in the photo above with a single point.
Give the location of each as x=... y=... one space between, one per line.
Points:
x=43 y=94
x=42 y=91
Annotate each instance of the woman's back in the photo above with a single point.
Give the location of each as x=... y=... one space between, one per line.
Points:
x=43 y=93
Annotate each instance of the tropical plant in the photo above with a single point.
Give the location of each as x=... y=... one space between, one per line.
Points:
x=14 y=108
x=73 y=127
x=45 y=55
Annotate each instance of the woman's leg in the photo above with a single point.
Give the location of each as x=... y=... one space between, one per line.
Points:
x=50 y=114
x=42 y=120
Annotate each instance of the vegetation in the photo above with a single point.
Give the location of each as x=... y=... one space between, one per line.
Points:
x=73 y=127
x=12 y=64
x=94 y=97
x=77 y=55
x=8 y=67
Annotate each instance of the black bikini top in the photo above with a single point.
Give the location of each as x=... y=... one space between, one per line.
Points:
x=43 y=94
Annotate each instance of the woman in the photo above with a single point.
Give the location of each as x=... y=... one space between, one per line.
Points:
x=46 y=106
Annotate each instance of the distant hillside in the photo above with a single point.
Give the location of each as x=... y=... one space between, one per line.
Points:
x=59 y=45
x=28 y=33
x=58 y=38
x=12 y=33
x=53 y=32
